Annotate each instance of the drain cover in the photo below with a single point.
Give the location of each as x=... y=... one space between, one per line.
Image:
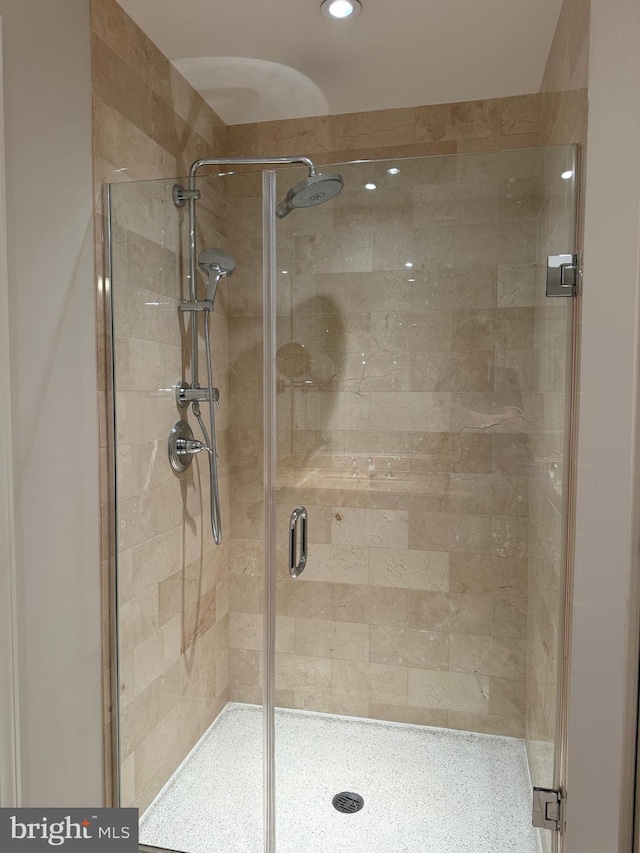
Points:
x=347 y=802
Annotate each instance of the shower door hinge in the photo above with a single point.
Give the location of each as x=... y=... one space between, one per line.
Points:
x=562 y=275
x=548 y=809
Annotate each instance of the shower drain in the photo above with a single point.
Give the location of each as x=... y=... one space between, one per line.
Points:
x=347 y=802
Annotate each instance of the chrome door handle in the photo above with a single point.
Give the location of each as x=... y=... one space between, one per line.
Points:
x=296 y=566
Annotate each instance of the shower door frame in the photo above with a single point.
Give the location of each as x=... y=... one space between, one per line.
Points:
x=270 y=457
x=9 y=734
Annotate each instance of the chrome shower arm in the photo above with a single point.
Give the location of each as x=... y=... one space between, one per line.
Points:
x=247 y=161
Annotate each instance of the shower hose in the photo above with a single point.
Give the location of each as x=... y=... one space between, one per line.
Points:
x=211 y=443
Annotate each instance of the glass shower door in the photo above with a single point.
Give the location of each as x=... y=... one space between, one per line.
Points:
x=188 y=710
x=416 y=389
x=423 y=390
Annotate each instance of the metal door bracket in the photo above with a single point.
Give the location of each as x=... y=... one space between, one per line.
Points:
x=562 y=275
x=548 y=809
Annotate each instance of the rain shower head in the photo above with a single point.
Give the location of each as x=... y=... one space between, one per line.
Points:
x=215 y=264
x=316 y=189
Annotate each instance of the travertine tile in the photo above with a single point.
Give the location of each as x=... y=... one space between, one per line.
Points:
x=409 y=647
x=519 y=198
x=141 y=467
x=510 y=164
x=246 y=594
x=427 y=570
x=156 y=653
x=487 y=655
x=489 y=493
x=369 y=371
x=520 y=114
x=463 y=453
x=511 y=454
x=337 y=252
x=509 y=536
x=409 y=411
x=460 y=202
x=335 y=640
x=246 y=632
x=138 y=619
x=312 y=133
x=507 y=697
x=499 y=412
x=369 y=527
x=470 y=370
x=509 y=617
x=469 y=119
x=338 y=564
x=498 y=143
x=488 y=575
x=306 y=600
x=399 y=332
x=371 y=681
x=378 y=128
x=449 y=691
x=516 y=285
x=370 y=604
x=459 y=613
x=304 y=674
x=245 y=668
x=449 y=532
x=383 y=606
x=357 y=208
x=137 y=519
x=116 y=84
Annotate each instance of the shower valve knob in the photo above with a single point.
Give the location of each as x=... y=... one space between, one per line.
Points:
x=185 y=446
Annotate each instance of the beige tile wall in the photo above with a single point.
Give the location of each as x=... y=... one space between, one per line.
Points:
x=410 y=448
x=489 y=125
x=173 y=593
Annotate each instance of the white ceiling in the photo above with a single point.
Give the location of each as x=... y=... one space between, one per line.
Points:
x=397 y=53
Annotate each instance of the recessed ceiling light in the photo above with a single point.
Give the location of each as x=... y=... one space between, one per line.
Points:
x=341 y=9
x=393 y=171
x=408 y=265
x=371 y=186
x=566 y=175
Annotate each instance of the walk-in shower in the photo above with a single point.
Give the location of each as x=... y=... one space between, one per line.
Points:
x=388 y=366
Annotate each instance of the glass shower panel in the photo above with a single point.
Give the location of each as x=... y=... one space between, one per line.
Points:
x=554 y=353
x=189 y=716
x=422 y=403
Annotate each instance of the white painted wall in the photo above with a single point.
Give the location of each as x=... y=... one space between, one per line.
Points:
x=47 y=102
x=605 y=612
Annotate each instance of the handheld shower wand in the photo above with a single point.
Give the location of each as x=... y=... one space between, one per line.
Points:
x=215 y=264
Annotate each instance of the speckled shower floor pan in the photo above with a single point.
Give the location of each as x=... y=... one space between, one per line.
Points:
x=425 y=790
